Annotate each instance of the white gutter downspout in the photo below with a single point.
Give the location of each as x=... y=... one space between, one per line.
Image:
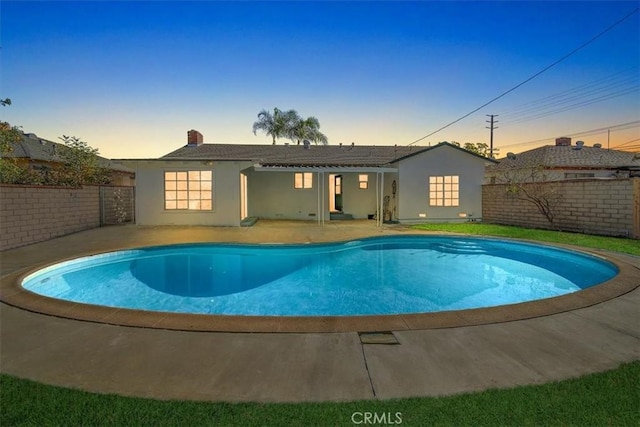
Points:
x=323 y=198
x=318 y=208
x=321 y=202
x=377 y=200
x=381 y=207
x=136 y=209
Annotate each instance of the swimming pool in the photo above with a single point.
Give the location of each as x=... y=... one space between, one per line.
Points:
x=371 y=276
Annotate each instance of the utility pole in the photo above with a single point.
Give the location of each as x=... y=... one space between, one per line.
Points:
x=492 y=127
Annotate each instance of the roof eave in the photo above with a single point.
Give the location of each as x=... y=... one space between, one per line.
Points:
x=322 y=168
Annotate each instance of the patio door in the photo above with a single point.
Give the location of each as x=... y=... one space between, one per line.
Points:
x=244 y=209
x=335 y=193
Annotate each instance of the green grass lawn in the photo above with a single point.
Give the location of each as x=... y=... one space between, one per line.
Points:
x=604 y=399
x=618 y=244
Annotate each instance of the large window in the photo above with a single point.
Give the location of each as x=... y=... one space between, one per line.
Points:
x=444 y=190
x=188 y=190
x=303 y=180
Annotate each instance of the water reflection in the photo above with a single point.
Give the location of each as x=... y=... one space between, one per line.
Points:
x=213 y=274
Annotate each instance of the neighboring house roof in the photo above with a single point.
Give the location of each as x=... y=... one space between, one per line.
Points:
x=35 y=148
x=298 y=155
x=570 y=157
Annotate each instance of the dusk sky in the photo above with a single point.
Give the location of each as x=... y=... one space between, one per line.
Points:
x=131 y=78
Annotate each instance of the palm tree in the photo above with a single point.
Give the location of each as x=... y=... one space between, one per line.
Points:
x=277 y=125
x=309 y=129
x=290 y=125
x=315 y=135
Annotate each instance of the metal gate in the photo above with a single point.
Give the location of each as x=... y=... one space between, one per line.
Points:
x=117 y=205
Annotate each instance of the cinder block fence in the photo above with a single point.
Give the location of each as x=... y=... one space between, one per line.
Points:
x=30 y=214
x=608 y=207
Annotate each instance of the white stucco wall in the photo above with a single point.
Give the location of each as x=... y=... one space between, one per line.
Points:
x=272 y=196
x=413 y=185
x=150 y=193
x=356 y=201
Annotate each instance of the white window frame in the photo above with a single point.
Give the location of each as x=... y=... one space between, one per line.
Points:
x=444 y=191
x=302 y=180
x=363 y=181
x=188 y=190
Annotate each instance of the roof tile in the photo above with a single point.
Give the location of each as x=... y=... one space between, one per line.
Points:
x=298 y=155
x=554 y=156
x=35 y=148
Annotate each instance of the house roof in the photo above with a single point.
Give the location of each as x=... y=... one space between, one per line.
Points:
x=554 y=156
x=33 y=147
x=298 y=155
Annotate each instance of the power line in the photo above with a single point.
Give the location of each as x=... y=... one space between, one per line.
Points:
x=621 y=126
x=573 y=106
x=615 y=128
x=610 y=80
x=612 y=89
x=533 y=76
x=628 y=142
x=630 y=148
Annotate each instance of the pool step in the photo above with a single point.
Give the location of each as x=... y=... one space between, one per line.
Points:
x=248 y=221
x=335 y=216
x=462 y=248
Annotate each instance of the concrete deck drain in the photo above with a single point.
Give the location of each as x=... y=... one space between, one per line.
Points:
x=378 y=338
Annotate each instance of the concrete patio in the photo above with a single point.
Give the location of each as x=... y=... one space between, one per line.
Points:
x=291 y=367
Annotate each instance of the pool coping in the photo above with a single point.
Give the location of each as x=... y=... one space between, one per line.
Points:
x=628 y=279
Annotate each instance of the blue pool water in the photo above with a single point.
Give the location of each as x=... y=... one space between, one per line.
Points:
x=381 y=275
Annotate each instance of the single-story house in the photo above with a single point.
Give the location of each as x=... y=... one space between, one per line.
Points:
x=565 y=161
x=222 y=184
x=40 y=154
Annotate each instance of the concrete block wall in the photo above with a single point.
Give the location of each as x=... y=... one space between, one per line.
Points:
x=30 y=214
x=603 y=207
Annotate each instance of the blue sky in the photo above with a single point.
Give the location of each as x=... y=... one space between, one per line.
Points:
x=131 y=78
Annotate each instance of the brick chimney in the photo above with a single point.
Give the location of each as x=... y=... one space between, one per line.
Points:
x=563 y=141
x=194 y=138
